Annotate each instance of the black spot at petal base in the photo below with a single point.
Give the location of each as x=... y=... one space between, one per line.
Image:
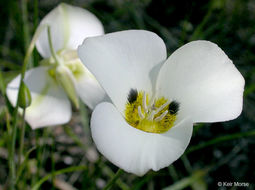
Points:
x=173 y=107
x=132 y=96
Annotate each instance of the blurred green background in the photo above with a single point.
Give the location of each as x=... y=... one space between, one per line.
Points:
x=218 y=152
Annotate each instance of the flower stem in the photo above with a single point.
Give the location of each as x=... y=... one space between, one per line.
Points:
x=15 y=112
x=26 y=27
x=2 y=85
x=36 y=55
x=113 y=179
x=53 y=53
x=22 y=134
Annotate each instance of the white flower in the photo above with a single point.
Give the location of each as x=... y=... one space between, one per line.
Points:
x=52 y=84
x=156 y=100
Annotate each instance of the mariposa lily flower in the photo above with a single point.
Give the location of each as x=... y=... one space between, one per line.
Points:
x=156 y=100
x=62 y=75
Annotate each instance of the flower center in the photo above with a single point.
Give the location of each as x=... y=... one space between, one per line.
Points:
x=66 y=71
x=150 y=114
x=68 y=59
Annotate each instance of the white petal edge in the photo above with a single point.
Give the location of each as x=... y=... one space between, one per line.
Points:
x=123 y=60
x=49 y=106
x=69 y=26
x=205 y=82
x=133 y=150
x=88 y=89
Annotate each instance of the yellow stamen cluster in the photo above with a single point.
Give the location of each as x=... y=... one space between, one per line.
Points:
x=148 y=115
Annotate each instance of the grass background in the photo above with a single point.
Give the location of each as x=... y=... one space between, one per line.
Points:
x=218 y=152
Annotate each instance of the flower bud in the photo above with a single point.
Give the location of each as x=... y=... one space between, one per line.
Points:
x=25 y=96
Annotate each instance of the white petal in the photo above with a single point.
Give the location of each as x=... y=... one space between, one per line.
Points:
x=69 y=26
x=50 y=105
x=89 y=90
x=133 y=150
x=123 y=60
x=205 y=82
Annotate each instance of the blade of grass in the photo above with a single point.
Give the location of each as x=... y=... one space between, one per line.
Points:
x=113 y=179
x=173 y=173
x=23 y=164
x=188 y=181
x=58 y=172
x=40 y=151
x=185 y=182
x=85 y=119
x=198 y=31
x=145 y=179
x=219 y=140
x=52 y=162
x=74 y=137
x=186 y=163
x=110 y=173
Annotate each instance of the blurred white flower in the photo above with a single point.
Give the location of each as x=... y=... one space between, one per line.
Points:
x=53 y=83
x=156 y=100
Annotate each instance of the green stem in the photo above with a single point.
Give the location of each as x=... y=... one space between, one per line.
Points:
x=186 y=163
x=53 y=163
x=2 y=84
x=25 y=27
x=58 y=172
x=197 y=32
x=22 y=134
x=108 y=171
x=36 y=15
x=113 y=179
x=24 y=164
x=36 y=55
x=85 y=119
x=173 y=173
x=220 y=139
x=53 y=53
x=40 y=152
x=74 y=137
x=15 y=112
